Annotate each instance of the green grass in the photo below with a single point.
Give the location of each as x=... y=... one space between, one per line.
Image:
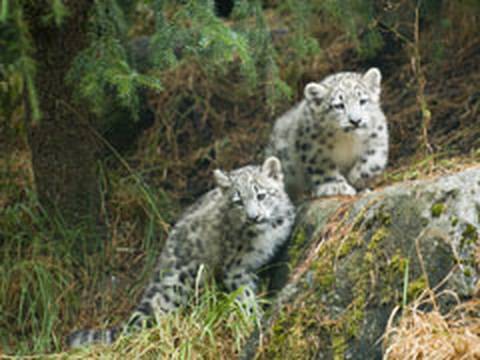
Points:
x=55 y=277
x=36 y=267
x=214 y=326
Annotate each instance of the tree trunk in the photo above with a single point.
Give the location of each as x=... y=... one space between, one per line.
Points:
x=62 y=144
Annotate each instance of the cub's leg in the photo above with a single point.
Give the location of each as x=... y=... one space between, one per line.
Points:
x=331 y=183
x=239 y=278
x=372 y=162
x=169 y=290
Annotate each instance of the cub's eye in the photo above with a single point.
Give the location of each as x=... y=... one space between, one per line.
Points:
x=363 y=101
x=261 y=196
x=339 y=106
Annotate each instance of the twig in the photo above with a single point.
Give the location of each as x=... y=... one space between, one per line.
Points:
x=416 y=63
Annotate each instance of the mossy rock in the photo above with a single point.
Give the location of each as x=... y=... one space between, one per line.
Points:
x=349 y=259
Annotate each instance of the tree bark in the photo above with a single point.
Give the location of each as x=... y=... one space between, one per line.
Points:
x=62 y=145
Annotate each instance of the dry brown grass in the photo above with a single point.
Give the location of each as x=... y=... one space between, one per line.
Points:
x=423 y=333
x=202 y=123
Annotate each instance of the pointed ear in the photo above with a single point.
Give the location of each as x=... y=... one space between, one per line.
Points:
x=272 y=167
x=315 y=92
x=221 y=179
x=372 y=78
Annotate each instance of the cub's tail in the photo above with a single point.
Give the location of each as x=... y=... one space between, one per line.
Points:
x=86 y=337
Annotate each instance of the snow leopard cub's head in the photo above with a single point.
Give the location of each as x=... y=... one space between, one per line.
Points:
x=256 y=193
x=346 y=100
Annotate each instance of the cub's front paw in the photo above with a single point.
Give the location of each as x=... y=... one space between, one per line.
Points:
x=357 y=179
x=333 y=189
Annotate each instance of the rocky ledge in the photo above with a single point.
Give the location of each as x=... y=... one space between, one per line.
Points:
x=354 y=260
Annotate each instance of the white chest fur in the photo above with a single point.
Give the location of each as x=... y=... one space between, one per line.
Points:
x=347 y=148
x=266 y=244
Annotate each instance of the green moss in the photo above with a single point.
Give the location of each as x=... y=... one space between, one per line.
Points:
x=326 y=281
x=416 y=287
x=454 y=221
x=339 y=346
x=470 y=233
x=294 y=332
x=348 y=244
x=438 y=209
x=359 y=220
x=392 y=277
x=296 y=246
x=390 y=274
x=377 y=238
x=355 y=314
x=398 y=264
x=365 y=269
x=323 y=269
x=469 y=236
x=467 y=272
x=383 y=217
x=369 y=258
x=358 y=271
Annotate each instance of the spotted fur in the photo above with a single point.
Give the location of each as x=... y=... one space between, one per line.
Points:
x=336 y=139
x=232 y=231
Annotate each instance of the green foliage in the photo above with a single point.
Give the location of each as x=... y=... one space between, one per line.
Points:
x=104 y=76
x=3 y=11
x=58 y=13
x=103 y=69
x=304 y=17
x=195 y=33
x=216 y=42
x=16 y=55
x=183 y=33
x=264 y=66
x=357 y=18
x=16 y=59
x=191 y=32
x=164 y=40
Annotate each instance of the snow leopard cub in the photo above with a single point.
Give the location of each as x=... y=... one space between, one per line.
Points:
x=336 y=139
x=232 y=230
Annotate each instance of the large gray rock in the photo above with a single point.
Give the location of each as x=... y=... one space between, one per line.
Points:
x=350 y=258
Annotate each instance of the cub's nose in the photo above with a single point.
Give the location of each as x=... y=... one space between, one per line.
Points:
x=355 y=122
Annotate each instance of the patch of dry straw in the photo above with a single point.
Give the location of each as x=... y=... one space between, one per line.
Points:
x=423 y=333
